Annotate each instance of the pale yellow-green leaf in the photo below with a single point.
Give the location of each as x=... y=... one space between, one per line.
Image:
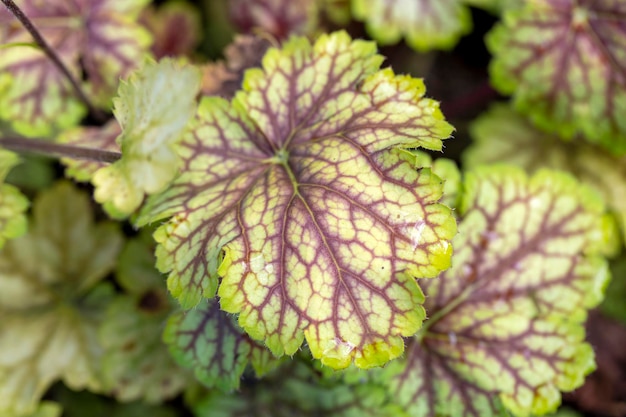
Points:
x=51 y=300
x=45 y=409
x=153 y=108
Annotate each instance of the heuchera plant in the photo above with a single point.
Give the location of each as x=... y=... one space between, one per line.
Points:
x=277 y=234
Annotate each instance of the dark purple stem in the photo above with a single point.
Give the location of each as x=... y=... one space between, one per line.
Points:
x=28 y=25
x=42 y=147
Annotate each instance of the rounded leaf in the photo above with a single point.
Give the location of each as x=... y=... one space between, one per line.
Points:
x=152 y=120
x=502 y=135
x=564 y=63
x=426 y=24
x=98 y=37
x=506 y=321
x=299 y=196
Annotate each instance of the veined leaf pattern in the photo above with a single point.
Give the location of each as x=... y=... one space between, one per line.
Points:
x=298 y=196
x=506 y=321
x=426 y=24
x=505 y=136
x=210 y=342
x=51 y=308
x=564 y=61
x=99 y=39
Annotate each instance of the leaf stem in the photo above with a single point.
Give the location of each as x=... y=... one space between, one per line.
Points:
x=28 y=25
x=42 y=147
x=446 y=309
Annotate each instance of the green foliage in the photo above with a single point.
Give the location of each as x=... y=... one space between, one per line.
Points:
x=298 y=225
x=564 y=63
x=100 y=37
x=52 y=300
x=136 y=364
x=47 y=409
x=426 y=24
x=502 y=135
x=12 y=203
x=33 y=173
x=209 y=341
x=301 y=391
x=614 y=305
x=526 y=270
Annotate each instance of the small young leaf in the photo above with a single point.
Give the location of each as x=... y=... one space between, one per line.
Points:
x=322 y=223
x=209 y=341
x=100 y=37
x=50 y=299
x=564 y=63
x=299 y=391
x=505 y=324
x=13 y=204
x=502 y=135
x=136 y=364
x=153 y=108
x=280 y=18
x=426 y=24
x=103 y=138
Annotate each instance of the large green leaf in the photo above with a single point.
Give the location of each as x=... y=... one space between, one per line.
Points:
x=297 y=195
x=210 y=342
x=564 y=61
x=99 y=39
x=426 y=24
x=136 y=364
x=50 y=299
x=502 y=135
x=152 y=121
x=506 y=321
x=13 y=204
